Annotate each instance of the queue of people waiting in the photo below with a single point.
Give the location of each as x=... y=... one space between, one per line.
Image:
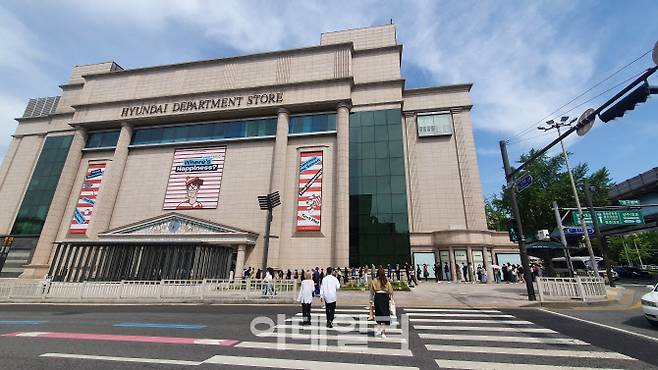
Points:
x=507 y=273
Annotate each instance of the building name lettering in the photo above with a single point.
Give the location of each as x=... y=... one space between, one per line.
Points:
x=203 y=104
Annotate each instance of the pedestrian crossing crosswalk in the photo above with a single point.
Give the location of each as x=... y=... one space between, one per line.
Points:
x=491 y=339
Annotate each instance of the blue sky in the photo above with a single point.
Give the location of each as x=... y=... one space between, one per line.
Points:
x=525 y=59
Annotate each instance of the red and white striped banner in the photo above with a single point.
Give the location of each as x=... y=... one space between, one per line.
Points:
x=87 y=198
x=195 y=178
x=309 y=195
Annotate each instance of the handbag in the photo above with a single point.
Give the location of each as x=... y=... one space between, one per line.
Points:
x=391 y=307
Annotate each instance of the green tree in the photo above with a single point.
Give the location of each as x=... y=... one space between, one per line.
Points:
x=622 y=249
x=496 y=216
x=550 y=183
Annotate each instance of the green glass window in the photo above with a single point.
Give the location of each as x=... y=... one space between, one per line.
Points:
x=205 y=131
x=312 y=123
x=379 y=231
x=40 y=190
x=103 y=139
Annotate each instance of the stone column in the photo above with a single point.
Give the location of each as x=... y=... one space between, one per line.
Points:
x=277 y=183
x=486 y=255
x=239 y=262
x=38 y=266
x=342 y=193
x=469 y=258
x=107 y=196
x=453 y=271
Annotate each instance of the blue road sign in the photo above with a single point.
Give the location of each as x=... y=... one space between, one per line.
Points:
x=523 y=183
x=578 y=230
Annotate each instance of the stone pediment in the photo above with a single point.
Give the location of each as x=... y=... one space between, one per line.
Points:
x=176 y=226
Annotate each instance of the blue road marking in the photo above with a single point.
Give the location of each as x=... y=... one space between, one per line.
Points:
x=22 y=322
x=159 y=326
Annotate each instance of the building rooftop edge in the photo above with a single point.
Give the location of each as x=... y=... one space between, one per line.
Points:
x=358 y=29
x=420 y=90
x=214 y=60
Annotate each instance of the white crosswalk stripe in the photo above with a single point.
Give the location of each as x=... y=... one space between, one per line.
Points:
x=479 y=328
x=479 y=365
x=520 y=344
x=488 y=338
x=414 y=314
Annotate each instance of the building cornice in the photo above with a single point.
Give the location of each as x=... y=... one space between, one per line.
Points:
x=349 y=80
x=32 y=119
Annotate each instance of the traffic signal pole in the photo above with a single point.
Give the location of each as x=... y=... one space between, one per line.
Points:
x=602 y=240
x=563 y=238
x=509 y=181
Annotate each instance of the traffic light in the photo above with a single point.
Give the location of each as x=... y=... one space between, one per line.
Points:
x=512 y=230
x=639 y=95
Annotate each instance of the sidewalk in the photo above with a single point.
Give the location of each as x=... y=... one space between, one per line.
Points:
x=446 y=294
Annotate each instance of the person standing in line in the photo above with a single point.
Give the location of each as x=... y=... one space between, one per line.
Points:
x=306 y=297
x=419 y=273
x=267 y=283
x=329 y=294
x=316 y=281
x=479 y=273
x=389 y=270
x=360 y=281
x=346 y=276
x=383 y=292
x=288 y=274
x=397 y=271
x=464 y=272
x=437 y=271
x=446 y=271
x=426 y=271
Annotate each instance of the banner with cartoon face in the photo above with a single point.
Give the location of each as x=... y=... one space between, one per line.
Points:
x=87 y=198
x=309 y=195
x=195 y=178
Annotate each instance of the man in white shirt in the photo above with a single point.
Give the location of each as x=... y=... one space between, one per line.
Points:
x=328 y=293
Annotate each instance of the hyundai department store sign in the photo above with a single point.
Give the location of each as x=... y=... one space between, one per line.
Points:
x=203 y=105
x=434 y=124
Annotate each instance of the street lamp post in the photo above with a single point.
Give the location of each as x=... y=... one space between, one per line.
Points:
x=556 y=125
x=268 y=203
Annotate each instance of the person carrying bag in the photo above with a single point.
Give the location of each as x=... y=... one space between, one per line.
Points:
x=383 y=293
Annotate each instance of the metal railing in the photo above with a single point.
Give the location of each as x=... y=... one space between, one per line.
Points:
x=587 y=289
x=209 y=290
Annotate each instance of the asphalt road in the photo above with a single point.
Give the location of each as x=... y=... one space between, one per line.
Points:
x=211 y=337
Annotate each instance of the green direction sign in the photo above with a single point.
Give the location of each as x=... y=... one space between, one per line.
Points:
x=628 y=217
x=629 y=202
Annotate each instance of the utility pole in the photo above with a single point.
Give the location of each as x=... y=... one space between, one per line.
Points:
x=602 y=240
x=563 y=238
x=556 y=125
x=509 y=186
x=637 y=251
x=628 y=259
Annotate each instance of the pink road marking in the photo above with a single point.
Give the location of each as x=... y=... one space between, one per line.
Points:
x=124 y=338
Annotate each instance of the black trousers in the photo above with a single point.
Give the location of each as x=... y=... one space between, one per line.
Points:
x=330 y=309
x=306 y=312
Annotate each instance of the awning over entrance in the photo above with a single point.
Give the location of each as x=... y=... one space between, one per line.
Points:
x=172 y=246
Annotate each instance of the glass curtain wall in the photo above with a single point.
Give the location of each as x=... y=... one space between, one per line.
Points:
x=41 y=189
x=379 y=231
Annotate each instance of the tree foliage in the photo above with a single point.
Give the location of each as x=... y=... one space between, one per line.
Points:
x=550 y=183
x=625 y=249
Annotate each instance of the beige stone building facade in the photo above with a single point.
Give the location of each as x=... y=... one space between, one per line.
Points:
x=154 y=173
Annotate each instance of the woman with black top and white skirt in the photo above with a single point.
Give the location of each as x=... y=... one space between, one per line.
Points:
x=383 y=292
